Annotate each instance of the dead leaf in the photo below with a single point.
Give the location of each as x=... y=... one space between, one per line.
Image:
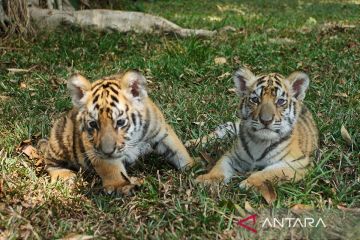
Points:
x=232 y=90
x=18 y=70
x=76 y=236
x=220 y=60
x=249 y=208
x=346 y=136
x=4 y=98
x=199 y=123
x=224 y=75
x=344 y=95
x=30 y=152
x=268 y=192
x=282 y=40
x=342 y=81
x=23 y=85
x=335 y=27
x=227 y=29
x=301 y=208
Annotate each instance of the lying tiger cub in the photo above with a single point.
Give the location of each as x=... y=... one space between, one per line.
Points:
x=113 y=123
x=276 y=134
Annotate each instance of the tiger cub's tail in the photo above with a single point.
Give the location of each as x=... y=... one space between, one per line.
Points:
x=226 y=130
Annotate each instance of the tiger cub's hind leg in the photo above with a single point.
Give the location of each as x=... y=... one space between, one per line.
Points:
x=222 y=131
x=63 y=174
x=173 y=150
x=54 y=167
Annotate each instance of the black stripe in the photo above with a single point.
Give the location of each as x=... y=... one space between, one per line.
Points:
x=95 y=91
x=140 y=118
x=95 y=99
x=54 y=154
x=114 y=90
x=60 y=127
x=292 y=110
x=126 y=127
x=160 y=140
x=244 y=143
x=114 y=98
x=282 y=158
x=298 y=159
x=153 y=132
x=168 y=154
x=238 y=158
x=273 y=146
x=133 y=118
x=84 y=154
x=305 y=129
x=74 y=140
x=303 y=110
x=97 y=84
x=261 y=91
x=146 y=125
x=260 y=81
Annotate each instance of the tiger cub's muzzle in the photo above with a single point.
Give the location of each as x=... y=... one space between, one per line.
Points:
x=267 y=114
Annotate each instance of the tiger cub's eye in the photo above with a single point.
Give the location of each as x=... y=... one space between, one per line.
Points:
x=120 y=122
x=254 y=99
x=281 y=102
x=93 y=124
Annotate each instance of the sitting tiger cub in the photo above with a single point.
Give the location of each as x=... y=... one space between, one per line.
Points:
x=276 y=134
x=113 y=123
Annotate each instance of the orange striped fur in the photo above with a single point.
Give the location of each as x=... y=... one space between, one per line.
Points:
x=112 y=124
x=276 y=135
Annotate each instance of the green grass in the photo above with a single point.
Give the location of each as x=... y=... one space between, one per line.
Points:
x=187 y=87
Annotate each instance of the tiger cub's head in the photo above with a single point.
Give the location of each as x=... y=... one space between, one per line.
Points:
x=270 y=103
x=110 y=110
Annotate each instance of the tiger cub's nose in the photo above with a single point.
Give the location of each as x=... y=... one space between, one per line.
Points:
x=108 y=150
x=266 y=119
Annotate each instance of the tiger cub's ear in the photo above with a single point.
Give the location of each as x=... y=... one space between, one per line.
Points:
x=78 y=87
x=298 y=83
x=134 y=84
x=243 y=79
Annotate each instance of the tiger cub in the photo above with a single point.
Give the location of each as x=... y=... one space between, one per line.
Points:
x=276 y=135
x=113 y=123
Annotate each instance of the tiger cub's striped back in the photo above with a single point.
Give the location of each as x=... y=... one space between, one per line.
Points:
x=276 y=134
x=112 y=124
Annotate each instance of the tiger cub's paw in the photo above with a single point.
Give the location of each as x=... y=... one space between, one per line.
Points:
x=209 y=178
x=245 y=184
x=62 y=174
x=122 y=190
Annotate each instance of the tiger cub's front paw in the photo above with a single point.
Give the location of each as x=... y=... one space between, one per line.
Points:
x=124 y=188
x=209 y=178
x=121 y=189
x=245 y=184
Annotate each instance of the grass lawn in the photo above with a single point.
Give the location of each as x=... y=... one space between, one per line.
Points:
x=321 y=38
